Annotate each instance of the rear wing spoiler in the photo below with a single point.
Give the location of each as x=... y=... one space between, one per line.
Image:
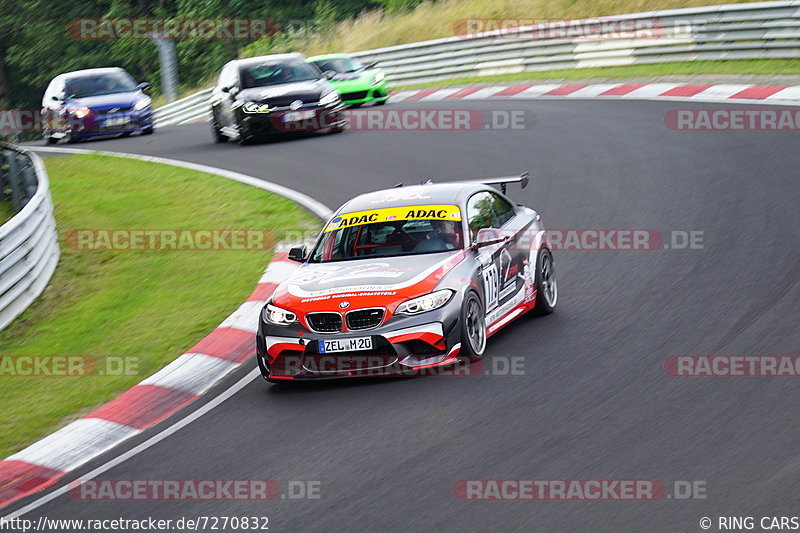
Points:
x=503 y=181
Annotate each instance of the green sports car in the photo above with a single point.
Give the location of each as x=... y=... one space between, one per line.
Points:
x=358 y=83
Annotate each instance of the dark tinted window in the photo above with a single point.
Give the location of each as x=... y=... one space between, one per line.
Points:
x=503 y=211
x=97 y=84
x=275 y=73
x=344 y=64
x=480 y=213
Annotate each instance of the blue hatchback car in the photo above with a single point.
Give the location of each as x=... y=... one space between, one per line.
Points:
x=92 y=103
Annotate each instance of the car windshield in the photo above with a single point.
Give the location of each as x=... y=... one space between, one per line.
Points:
x=273 y=73
x=97 y=84
x=390 y=232
x=340 y=65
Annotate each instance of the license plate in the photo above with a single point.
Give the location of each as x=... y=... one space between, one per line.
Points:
x=294 y=116
x=116 y=121
x=345 y=345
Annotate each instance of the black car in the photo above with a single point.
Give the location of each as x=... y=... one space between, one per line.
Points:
x=260 y=96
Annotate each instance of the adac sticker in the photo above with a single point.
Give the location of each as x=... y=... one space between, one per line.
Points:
x=413 y=212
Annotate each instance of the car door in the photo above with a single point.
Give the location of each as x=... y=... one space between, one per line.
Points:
x=52 y=102
x=502 y=264
x=222 y=100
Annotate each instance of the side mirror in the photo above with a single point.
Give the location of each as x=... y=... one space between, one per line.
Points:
x=329 y=74
x=298 y=253
x=225 y=89
x=55 y=98
x=143 y=86
x=488 y=237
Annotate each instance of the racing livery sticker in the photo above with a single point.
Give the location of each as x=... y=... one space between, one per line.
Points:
x=418 y=212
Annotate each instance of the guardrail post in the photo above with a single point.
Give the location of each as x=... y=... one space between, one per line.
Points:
x=15 y=182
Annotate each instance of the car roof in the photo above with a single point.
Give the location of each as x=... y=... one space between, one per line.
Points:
x=328 y=56
x=266 y=59
x=91 y=72
x=450 y=193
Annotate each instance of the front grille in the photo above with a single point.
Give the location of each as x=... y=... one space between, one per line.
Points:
x=354 y=96
x=114 y=110
x=325 y=322
x=364 y=318
x=286 y=101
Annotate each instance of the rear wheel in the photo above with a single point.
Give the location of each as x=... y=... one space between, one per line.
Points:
x=546 y=288
x=148 y=130
x=473 y=327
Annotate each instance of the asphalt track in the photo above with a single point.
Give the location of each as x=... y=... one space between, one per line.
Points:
x=594 y=400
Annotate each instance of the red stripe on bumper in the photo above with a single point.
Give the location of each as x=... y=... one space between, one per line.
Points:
x=759 y=92
x=143 y=406
x=686 y=90
x=419 y=95
x=230 y=344
x=18 y=479
x=565 y=90
x=622 y=89
x=461 y=93
x=511 y=91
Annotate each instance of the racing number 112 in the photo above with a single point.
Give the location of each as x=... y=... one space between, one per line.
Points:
x=491 y=285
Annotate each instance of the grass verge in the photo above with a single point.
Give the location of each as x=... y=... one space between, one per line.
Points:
x=765 y=67
x=150 y=306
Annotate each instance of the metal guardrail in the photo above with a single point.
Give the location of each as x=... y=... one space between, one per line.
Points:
x=29 y=248
x=759 y=30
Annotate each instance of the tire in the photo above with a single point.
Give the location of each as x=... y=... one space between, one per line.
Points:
x=244 y=140
x=148 y=130
x=49 y=139
x=217 y=134
x=473 y=327
x=546 y=286
x=381 y=102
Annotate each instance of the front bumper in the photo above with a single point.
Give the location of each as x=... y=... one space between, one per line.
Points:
x=403 y=345
x=94 y=125
x=274 y=123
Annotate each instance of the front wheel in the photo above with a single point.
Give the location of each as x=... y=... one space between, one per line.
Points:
x=546 y=288
x=148 y=130
x=473 y=327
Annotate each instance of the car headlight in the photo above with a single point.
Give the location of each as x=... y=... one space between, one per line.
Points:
x=330 y=98
x=275 y=315
x=422 y=304
x=80 y=112
x=378 y=78
x=255 y=107
x=141 y=104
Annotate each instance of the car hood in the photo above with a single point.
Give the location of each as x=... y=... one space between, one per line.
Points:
x=353 y=81
x=126 y=99
x=364 y=282
x=284 y=94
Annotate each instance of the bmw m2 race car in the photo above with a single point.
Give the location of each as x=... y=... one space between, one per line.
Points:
x=407 y=279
